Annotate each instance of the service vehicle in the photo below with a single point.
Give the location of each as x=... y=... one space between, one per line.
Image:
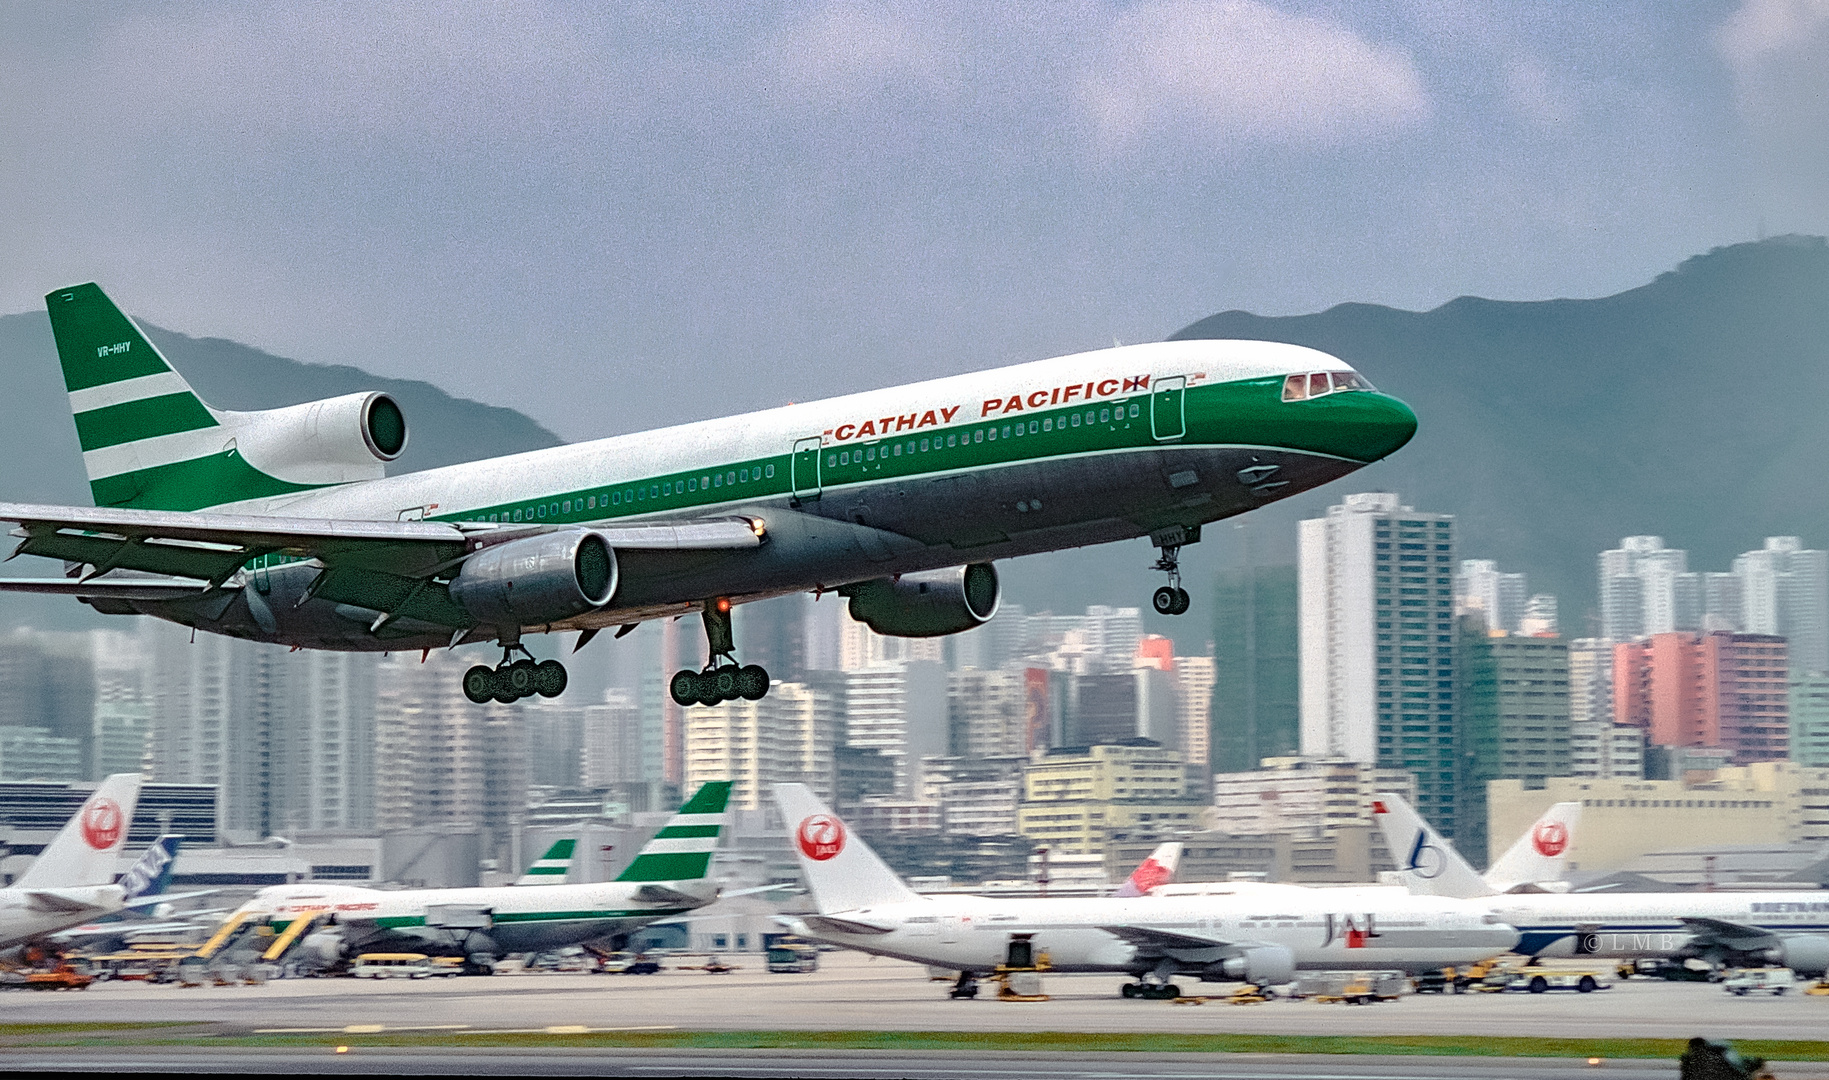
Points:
x=792 y=958
x=392 y=966
x=1763 y=980
x=1536 y=980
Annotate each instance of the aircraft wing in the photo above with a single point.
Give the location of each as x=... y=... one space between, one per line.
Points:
x=166 y=898
x=47 y=900
x=652 y=893
x=1732 y=935
x=376 y=564
x=123 y=928
x=1146 y=937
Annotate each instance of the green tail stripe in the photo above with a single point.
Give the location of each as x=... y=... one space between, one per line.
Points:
x=678 y=866
x=90 y=331
x=191 y=485
x=554 y=871
x=709 y=799
x=131 y=421
x=677 y=832
x=561 y=849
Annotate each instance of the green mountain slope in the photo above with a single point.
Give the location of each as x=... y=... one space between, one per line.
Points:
x=1692 y=407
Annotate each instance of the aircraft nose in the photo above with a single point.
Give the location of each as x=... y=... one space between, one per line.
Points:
x=1366 y=425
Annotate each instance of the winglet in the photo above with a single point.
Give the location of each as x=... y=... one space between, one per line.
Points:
x=85 y=849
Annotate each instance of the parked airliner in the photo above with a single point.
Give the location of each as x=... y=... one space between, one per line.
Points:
x=1790 y=928
x=1261 y=935
x=282 y=525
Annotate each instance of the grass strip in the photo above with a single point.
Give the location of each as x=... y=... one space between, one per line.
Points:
x=95 y=1035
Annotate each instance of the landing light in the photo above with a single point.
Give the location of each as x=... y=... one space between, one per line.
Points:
x=757 y=526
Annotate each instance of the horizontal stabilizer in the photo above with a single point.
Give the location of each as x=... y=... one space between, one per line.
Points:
x=46 y=900
x=827 y=924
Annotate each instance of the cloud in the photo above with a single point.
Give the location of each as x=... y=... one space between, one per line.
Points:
x=1765 y=29
x=845 y=51
x=1239 y=71
x=1778 y=53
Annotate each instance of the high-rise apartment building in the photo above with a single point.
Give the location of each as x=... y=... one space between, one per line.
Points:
x=1590 y=681
x=440 y=760
x=611 y=743
x=1292 y=793
x=208 y=722
x=988 y=713
x=1785 y=591
x=1257 y=696
x=1706 y=690
x=1647 y=588
x=123 y=708
x=1497 y=598
x=900 y=710
x=320 y=724
x=1605 y=750
x=1540 y=618
x=1194 y=679
x=1514 y=702
x=1378 y=644
x=1810 y=719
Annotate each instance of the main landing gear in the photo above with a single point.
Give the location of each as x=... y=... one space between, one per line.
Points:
x=509 y=682
x=1171 y=599
x=722 y=679
x=1154 y=991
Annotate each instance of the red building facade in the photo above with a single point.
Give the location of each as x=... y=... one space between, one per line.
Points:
x=1716 y=689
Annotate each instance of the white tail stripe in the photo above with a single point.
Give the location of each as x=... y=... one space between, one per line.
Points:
x=119 y=393
x=150 y=453
x=691 y=845
x=719 y=820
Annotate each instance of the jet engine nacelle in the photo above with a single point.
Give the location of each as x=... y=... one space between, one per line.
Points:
x=1265 y=965
x=322 y=948
x=928 y=604
x=334 y=441
x=539 y=579
x=1806 y=954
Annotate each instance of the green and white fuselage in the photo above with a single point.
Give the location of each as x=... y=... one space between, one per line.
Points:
x=1144 y=440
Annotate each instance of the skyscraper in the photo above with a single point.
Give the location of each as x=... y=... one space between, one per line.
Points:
x=1785 y=591
x=1647 y=588
x=1716 y=690
x=1256 y=695
x=1378 y=643
x=1497 y=597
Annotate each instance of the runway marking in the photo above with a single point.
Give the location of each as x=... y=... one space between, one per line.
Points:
x=564 y=1029
x=357 y=1029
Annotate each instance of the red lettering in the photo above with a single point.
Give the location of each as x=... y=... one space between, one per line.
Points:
x=1141 y=382
x=946 y=415
x=844 y=432
x=990 y=406
x=903 y=423
x=1088 y=391
x=927 y=419
x=867 y=430
x=883 y=424
x=1054 y=396
x=1038 y=399
x=1072 y=392
x=1014 y=404
x=1108 y=387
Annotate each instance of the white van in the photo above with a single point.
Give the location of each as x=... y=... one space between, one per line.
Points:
x=1774 y=981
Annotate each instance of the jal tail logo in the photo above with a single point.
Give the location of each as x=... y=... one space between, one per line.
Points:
x=1551 y=839
x=101 y=824
x=1426 y=860
x=820 y=837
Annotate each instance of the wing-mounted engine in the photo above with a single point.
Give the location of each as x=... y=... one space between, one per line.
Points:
x=928 y=604
x=1806 y=954
x=538 y=579
x=334 y=441
x=1265 y=965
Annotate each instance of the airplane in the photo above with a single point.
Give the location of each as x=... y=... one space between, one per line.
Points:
x=1155 y=871
x=1429 y=864
x=1258 y=936
x=550 y=868
x=1788 y=928
x=668 y=877
x=143 y=885
x=282 y=526
x=72 y=880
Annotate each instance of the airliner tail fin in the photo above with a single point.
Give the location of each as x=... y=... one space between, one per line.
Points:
x=1428 y=863
x=841 y=870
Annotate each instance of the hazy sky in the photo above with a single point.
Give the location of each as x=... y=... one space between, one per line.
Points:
x=615 y=216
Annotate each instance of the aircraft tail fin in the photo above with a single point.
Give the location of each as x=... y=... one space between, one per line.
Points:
x=1541 y=854
x=1158 y=869
x=552 y=867
x=841 y=870
x=84 y=851
x=682 y=849
x=1429 y=864
x=150 y=874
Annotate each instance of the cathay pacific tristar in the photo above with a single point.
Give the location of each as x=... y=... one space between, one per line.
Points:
x=331 y=922
x=1788 y=928
x=282 y=526
x=1260 y=935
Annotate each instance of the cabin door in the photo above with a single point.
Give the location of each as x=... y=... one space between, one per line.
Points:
x=1166 y=416
x=805 y=468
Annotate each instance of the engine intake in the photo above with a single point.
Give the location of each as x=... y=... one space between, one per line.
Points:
x=337 y=440
x=537 y=580
x=928 y=604
x=1265 y=965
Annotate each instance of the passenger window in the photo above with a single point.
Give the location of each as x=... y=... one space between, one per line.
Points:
x=1048 y=424
x=568 y=506
x=898 y=449
x=991 y=433
x=1317 y=384
x=705 y=482
x=870 y=454
x=742 y=476
x=1076 y=419
x=845 y=458
x=1034 y=426
x=1295 y=388
x=717 y=480
x=923 y=445
x=615 y=497
x=831 y=459
x=692 y=484
x=771 y=471
x=730 y=478
x=667 y=488
x=542 y=511
x=952 y=440
x=978 y=436
x=1134 y=410
x=1104 y=416
x=911 y=446
x=492 y=517
x=1006 y=430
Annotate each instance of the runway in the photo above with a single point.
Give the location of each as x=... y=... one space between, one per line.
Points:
x=854 y=992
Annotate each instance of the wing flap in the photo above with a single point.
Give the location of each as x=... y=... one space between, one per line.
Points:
x=1733 y=935
x=111 y=588
x=1149 y=937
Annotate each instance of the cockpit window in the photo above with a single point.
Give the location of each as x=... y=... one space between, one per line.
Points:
x=1316 y=384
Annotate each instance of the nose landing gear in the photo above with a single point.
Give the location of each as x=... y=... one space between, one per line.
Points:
x=722 y=679
x=1171 y=599
x=509 y=682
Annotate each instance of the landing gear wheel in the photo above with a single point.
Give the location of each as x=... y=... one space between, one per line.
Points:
x=706 y=685
x=1182 y=601
x=504 y=689
x=1166 y=600
x=1168 y=991
x=479 y=684
x=521 y=677
x=1128 y=990
x=549 y=678
x=752 y=682
x=684 y=688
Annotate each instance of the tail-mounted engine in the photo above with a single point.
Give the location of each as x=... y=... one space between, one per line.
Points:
x=539 y=579
x=334 y=441
x=928 y=604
